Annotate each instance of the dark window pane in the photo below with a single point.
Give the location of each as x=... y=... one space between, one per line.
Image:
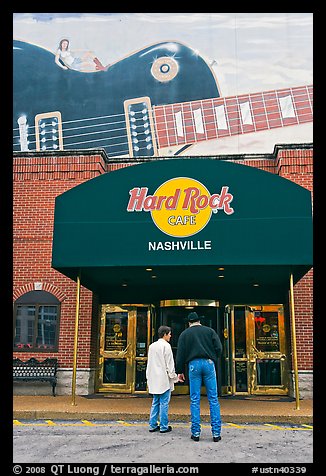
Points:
x=241 y=376
x=116 y=327
x=114 y=371
x=141 y=333
x=140 y=383
x=46 y=327
x=268 y=372
x=267 y=331
x=39 y=297
x=24 y=331
x=240 y=332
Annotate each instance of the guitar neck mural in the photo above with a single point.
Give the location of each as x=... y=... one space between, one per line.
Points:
x=161 y=97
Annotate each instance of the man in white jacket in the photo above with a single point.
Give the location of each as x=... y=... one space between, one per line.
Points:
x=161 y=376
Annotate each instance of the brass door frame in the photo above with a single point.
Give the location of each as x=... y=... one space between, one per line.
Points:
x=239 y=359
x=252 y=353
x=150 y=334
x=255 y=354
x=227 y=388
x=129 y=353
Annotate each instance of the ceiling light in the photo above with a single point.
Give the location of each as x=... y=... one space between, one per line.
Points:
x=149 y=269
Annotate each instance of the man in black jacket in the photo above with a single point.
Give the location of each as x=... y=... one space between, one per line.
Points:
x=199 y=347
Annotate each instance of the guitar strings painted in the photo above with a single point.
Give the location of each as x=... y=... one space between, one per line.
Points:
x=303 y=99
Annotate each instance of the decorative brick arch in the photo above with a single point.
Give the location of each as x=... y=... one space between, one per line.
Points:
x=50 y=288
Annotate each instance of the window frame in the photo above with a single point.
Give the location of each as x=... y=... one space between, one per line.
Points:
x=37 y=306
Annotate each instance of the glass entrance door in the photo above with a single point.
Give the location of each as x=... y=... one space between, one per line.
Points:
x=258 y=350
x=125 y=335
x=268 y=353
x=173 y=313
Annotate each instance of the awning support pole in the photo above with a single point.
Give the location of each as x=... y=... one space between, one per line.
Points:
x=294 y=344
x=74 y=370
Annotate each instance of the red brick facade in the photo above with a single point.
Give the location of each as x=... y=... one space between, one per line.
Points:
x=38 y=180
x=297 y=165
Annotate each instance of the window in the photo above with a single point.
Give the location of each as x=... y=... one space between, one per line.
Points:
x=36 y=322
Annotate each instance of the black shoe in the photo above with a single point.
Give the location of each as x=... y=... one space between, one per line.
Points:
x=151 y=430
x=217 y=438
x=169 y=428
x=195 y=438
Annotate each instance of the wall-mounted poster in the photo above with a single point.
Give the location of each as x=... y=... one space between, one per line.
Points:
x=158 y=84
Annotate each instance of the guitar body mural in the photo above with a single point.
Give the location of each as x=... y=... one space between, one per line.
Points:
x=95 y=109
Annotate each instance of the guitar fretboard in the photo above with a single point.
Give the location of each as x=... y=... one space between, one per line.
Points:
x=190 y=122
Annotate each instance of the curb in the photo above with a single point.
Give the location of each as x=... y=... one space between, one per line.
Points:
x=102 y=416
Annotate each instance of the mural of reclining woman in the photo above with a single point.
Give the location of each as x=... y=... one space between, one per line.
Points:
x=84 y=61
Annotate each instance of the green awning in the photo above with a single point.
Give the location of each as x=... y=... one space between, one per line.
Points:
x=184 y=218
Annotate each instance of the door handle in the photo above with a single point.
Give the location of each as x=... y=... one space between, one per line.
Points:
x=123 y=352
x=256 y=354
x=116 y=354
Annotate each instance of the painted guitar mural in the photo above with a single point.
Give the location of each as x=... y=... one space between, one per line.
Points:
x=161 y=98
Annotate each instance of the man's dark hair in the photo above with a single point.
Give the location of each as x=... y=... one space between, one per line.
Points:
x=162 y=331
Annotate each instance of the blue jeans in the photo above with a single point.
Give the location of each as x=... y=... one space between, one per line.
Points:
x=160 y=406
x=203 y=370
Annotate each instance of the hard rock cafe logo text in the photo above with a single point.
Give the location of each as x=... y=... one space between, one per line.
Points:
x=180 y=207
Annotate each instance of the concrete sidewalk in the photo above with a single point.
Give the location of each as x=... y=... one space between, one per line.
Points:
x=132 y=408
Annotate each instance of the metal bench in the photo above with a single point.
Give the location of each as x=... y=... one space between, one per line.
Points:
x=34 y=370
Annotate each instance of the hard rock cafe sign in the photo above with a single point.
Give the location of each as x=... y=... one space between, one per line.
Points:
x=180 y=207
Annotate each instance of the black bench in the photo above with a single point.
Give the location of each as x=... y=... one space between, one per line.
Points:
x=34 y=370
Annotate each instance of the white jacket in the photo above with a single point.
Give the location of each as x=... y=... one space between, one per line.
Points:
x=160 y=370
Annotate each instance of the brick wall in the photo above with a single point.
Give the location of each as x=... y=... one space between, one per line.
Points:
x=37 y=181
x=297 y=165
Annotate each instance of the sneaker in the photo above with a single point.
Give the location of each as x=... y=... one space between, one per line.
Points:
x=216 y=438
x=195 y=438
x=169 y=428
x=151 y=430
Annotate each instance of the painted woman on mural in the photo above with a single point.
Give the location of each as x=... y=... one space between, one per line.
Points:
x=86 y=61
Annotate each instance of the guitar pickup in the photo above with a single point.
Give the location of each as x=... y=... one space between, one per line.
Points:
x=140 y=127
x=48 y=131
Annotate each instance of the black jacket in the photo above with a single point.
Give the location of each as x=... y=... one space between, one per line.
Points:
x=197 y=342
